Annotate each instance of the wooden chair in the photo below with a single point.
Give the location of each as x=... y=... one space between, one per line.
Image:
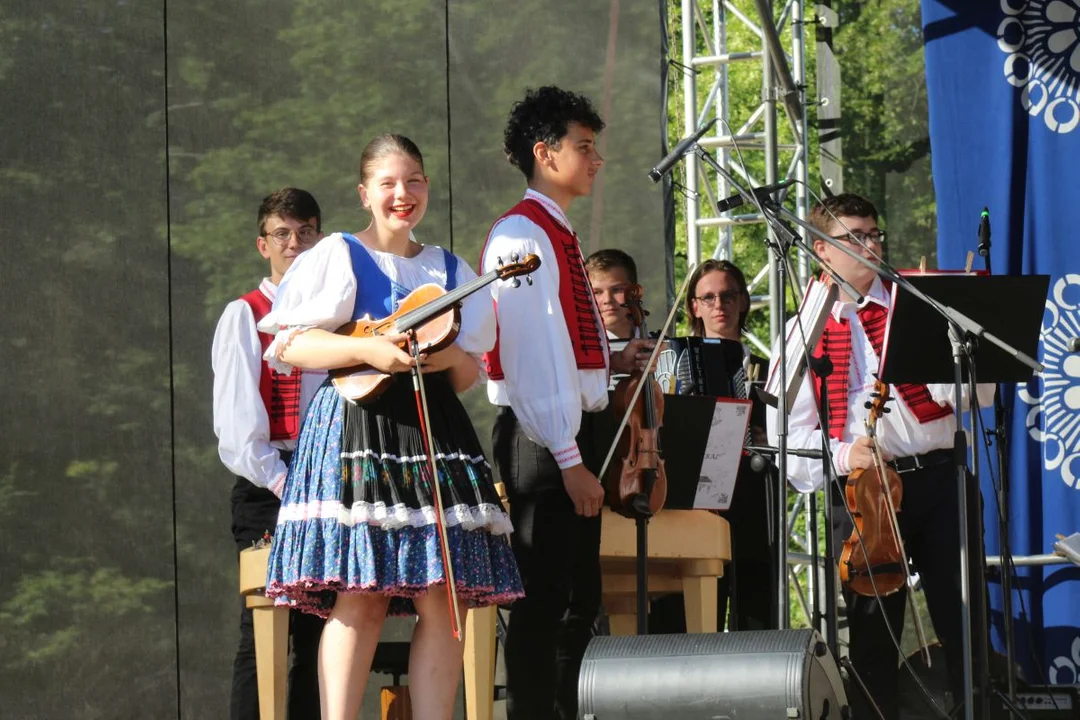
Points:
x=272 y=648
x=271 y=634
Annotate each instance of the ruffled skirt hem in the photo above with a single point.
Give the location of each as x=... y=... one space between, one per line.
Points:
x=318 y=558
x=309 y=597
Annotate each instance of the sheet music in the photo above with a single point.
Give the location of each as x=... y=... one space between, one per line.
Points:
x=816 y=305
x=723 y=452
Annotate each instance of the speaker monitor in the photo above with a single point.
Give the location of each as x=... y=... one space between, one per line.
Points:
x=751 y=675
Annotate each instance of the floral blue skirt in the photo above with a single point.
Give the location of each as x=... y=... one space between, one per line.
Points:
x=358 y=509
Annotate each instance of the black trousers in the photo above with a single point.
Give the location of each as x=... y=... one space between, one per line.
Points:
x=558 y=555
x=929 y=521
x=749 y=581
x=254 y=513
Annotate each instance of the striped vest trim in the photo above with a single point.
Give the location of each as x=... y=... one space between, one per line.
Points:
x=836 y=344
x=280 y=392
x=588 y=338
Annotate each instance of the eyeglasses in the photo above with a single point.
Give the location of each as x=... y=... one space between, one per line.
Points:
x=729 y=297
x=307 y=235
x=861 y=238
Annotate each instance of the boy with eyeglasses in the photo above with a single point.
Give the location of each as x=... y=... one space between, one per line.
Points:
x=257 y=415
x=916 y=438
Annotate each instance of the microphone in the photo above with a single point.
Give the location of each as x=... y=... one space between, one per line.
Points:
x=761 y=193
x=663 y=167
x=984 y=234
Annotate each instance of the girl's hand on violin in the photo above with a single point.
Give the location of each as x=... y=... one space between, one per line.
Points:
x=442 y=360
x=633 y=357
x=384 y=353
x=584 y=490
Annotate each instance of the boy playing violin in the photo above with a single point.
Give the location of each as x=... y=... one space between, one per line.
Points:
x=611 y=272
x=916 y=438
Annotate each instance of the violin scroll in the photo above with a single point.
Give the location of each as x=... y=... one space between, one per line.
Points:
x=517 y=267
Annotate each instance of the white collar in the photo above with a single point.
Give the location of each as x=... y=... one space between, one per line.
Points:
x=269 y=289
x=613 y=336
x=551 y=206
x=875 y=294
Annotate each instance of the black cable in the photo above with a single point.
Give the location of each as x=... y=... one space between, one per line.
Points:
x=974 y=402
x=782 y=398
x=172 y=374
x=1007 y=559
x=668 y=186
x=449 y=134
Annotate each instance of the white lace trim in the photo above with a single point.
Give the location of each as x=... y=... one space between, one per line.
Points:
x=367 y=452
x=281 y=341
x=490 y=517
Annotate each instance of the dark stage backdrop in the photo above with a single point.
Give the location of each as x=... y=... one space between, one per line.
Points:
x=138 y=140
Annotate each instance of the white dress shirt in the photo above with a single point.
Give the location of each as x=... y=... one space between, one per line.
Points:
x=241 y=422
x=542 y=381
x=899 y=433
x=319 y=290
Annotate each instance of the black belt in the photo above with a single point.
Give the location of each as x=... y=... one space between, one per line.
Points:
x=931 y=459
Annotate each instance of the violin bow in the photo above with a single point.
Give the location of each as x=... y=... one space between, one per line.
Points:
x=652 y=359
x=440 y=514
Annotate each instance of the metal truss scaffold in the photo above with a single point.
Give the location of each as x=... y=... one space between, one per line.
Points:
x=717 y=37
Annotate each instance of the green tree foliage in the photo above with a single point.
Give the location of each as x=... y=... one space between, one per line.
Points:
x=86 y=527
x=886 y=149
x=885 y=121
x=136 y=151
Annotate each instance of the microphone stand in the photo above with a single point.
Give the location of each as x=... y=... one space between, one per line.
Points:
x=963 y=331
x=1002 y=447
x=779 y=248
x=823 y=368
x=785 y=238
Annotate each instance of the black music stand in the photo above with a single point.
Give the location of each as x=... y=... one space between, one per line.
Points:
x=1009 y=308
x=683 y=436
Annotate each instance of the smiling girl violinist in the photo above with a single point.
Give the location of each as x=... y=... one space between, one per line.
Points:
x=356 y=538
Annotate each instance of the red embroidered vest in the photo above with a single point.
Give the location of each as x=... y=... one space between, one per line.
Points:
x=280 y=392
x=575 y=294
x=836 y=344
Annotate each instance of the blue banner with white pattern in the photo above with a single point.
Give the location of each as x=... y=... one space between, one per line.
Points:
x=1003 y=78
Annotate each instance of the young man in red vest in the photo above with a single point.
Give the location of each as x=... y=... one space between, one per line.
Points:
x=547 y=373
x=916 y=437
x=257 y=416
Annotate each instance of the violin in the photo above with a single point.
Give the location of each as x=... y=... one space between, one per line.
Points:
x=637 y=488
x=873 y=562
x=431 y=317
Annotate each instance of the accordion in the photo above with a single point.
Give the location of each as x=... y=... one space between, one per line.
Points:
x=702 y=366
